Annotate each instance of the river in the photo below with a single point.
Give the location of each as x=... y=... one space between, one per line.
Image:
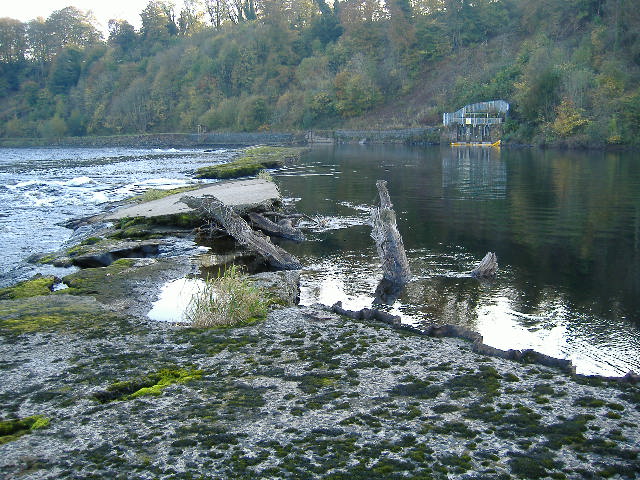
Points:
x=565 y=227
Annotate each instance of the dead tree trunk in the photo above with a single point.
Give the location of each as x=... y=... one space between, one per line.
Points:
x=239 y=229
x=487 y=267
x=284 y=228
x=395 y=266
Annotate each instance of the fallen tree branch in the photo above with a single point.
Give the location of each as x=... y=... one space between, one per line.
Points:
x=284 y=228
x=295 y=216
x=239 y=229
x=456 y=331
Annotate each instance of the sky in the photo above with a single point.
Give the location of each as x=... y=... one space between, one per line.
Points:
x=103 y=10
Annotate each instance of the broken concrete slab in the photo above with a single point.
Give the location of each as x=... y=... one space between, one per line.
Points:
x=239 y=194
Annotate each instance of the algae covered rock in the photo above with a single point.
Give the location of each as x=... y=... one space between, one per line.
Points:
x=14 y=428
x=56 y=313
x=252 y=161
x=38 y=285
x=100 y=252
x=150 y=384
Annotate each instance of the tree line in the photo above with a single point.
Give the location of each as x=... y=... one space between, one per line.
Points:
x=570 y=68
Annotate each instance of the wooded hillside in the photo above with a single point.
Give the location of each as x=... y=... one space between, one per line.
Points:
x=570 y=68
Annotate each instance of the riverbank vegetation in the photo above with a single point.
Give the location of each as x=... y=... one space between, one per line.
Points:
x=569 y=68
x=229 y=299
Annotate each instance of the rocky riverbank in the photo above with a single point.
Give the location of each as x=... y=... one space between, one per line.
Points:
x=304 y=394
x=93 y=388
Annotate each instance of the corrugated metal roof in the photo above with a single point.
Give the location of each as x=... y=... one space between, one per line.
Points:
x=482 y=113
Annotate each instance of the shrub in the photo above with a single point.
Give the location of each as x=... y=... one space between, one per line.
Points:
x=229 y=299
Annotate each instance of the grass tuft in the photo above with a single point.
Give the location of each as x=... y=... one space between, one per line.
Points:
x=229 y=299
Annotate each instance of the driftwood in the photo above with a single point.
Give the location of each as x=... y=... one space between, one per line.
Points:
x=487 y=267
x=284 y=228
x=457 y=331
x=395 y=266
x=239 y=229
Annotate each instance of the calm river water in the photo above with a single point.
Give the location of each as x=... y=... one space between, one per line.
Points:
x=565 y=227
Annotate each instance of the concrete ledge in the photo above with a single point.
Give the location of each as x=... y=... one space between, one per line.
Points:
x=236 y=193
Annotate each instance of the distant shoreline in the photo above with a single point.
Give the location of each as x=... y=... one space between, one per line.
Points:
x=405 y=136
x=159 y=140
x=414 y=136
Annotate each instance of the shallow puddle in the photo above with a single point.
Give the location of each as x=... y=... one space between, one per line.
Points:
x=174 y=299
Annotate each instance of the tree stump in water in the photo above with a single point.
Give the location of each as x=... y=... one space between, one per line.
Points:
x=487 y=267
x=395 y=266
x=239 y=229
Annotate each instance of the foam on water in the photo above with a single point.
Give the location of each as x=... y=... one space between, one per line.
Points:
x=42 y=188
x=78 y=181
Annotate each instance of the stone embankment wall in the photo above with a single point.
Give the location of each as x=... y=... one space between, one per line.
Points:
x=407 y=136
x=411 y=136
x=161 y=140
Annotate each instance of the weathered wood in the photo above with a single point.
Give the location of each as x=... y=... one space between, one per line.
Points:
x=395 y=266
x=293 y=216
x=457 y=331
x=487 y=267
x=239 y=229
x=284 y=228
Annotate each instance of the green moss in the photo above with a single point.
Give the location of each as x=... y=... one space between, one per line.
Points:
x=589 y=402
x=523 y=422
x=543 y=389
x=92 y=281
x=137 y=232
x=532 y=464
x=510 y=377
x=234 y=169
x=15 y=428
x=486 y=381
x=46 y=259
x=156 y=194
x=312 y=383
x=461 y=463
x=487 y=413
x=239 y=395
x=567 y=432
x=56 y=313
x=458 y=429
x=150 y=384
x=136 y=227
x=418 y=388
x=38 y=285
x=251 y=162
x=445 y=408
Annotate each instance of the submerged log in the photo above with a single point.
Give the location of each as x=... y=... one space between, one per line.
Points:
x=239 y=229
x=395 y=266
x=487 y=267
x=284 y=228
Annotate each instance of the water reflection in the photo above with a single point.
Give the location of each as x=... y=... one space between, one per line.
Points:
x=174 y=298
x=565 y=226
x=474 y=173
